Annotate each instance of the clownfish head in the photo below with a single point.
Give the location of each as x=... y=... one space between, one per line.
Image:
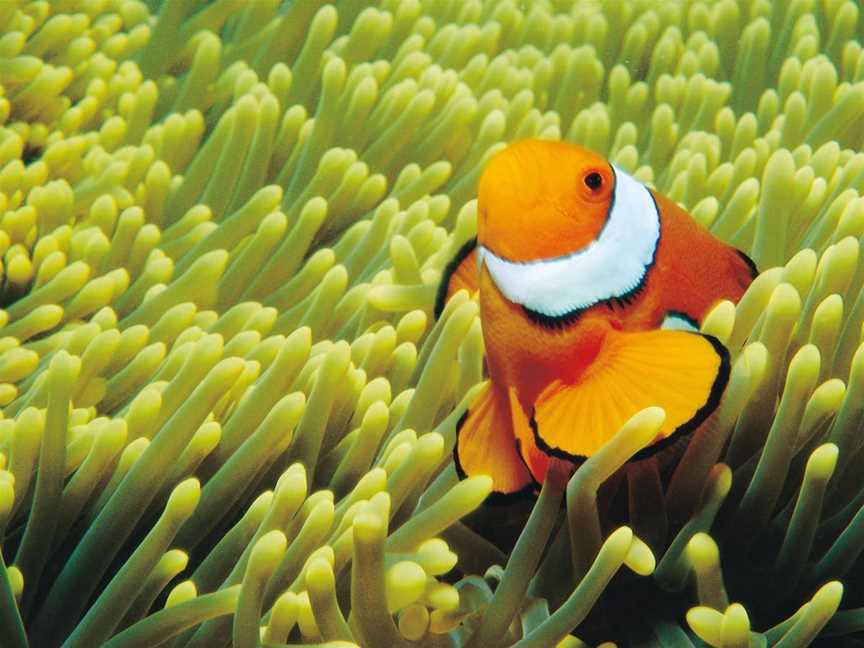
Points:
x=561 y=229
x=541 y=199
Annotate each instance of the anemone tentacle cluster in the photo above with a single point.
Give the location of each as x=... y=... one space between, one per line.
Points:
x=227 y=411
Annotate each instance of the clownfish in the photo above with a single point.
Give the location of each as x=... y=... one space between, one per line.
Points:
x=591 y=289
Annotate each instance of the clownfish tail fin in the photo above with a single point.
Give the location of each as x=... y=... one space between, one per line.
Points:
x=459 y=274
x=683 y=372
x=486 y=445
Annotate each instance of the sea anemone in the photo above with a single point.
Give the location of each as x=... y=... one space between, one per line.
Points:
x=227 y=410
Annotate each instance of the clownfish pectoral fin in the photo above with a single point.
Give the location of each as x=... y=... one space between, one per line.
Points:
x=461 y=273
x=486 y=445
x=685 y=373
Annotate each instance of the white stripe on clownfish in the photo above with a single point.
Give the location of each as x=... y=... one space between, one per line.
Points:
x=678 y=322
x=611 y=266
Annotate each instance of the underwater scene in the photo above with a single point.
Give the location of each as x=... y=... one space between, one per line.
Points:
x=433 y=323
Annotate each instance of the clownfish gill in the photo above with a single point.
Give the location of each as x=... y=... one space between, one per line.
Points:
x=612 y=266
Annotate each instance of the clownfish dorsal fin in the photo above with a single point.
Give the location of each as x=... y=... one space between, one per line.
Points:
x=486 y=444
x=685 y=373
x=462 y=273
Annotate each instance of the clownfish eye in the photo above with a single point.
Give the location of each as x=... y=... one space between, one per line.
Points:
x=594 y=181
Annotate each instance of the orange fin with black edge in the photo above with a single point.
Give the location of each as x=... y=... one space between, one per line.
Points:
x=533 y=457
x=485 y=444
x=684 y=373
x=460 y=274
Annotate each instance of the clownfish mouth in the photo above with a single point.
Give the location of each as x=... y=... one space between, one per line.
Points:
x=613 y=266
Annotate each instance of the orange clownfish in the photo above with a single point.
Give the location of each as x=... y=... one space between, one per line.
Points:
x=591 y=290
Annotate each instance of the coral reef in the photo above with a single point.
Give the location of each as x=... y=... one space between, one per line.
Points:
x=227 y=411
